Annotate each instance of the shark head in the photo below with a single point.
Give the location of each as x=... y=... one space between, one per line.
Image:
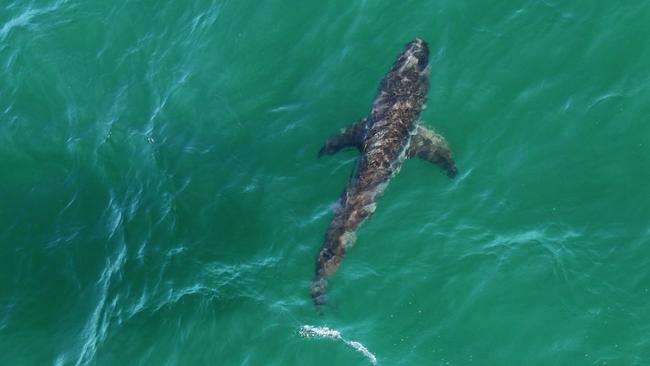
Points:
x=409 y=75
x=414 y=57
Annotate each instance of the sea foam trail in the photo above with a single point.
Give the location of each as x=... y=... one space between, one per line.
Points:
x=309 y=331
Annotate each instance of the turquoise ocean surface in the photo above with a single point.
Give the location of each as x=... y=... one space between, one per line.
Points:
x=161 y=202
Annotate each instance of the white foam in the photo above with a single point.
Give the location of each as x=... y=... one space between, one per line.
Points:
x=309 y=331
x=360 y=347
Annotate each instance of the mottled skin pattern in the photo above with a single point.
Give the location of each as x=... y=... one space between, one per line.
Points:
x=385 y=137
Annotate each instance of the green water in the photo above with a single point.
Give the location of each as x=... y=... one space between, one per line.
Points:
x=161 y=202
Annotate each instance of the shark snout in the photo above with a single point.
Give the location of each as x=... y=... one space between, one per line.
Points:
x=419 y=49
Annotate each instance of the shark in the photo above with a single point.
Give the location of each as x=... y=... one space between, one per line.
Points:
x=389 y=134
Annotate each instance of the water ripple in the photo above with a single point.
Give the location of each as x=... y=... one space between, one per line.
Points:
x=96 y=327
x=25 y=19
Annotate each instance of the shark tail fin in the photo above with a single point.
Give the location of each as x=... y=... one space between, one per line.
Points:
x=426 y=144
x=348 y=137
x=319 y=293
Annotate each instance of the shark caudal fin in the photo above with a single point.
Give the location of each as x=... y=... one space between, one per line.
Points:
x=430 y=146
x=319 y=293
x=349 y=137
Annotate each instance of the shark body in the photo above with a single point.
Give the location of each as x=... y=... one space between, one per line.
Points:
x=385 y=137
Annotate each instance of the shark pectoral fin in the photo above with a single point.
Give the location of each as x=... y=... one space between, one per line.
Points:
x=428 y=145
x=349 y=137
